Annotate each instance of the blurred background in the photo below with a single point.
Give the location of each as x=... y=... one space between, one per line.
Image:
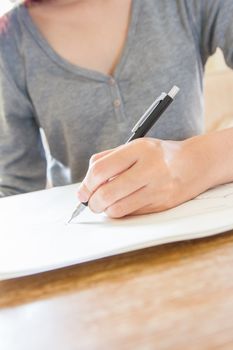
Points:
x=218 y=86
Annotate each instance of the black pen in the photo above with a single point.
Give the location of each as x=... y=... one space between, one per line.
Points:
x=145 y=123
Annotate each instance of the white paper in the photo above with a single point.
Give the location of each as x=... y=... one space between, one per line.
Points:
x=35 y=236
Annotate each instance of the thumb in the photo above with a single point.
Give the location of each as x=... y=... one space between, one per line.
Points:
x=99 y=155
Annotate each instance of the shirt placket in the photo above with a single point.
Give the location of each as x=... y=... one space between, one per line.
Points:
x=116 y=100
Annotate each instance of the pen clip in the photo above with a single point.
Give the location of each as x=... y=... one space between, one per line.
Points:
x=149 y=111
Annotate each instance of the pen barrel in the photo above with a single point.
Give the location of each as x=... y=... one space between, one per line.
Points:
x=151 y=119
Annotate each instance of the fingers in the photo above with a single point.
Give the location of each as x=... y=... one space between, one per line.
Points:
x=120 y=187
x=142 y=201
x=105 y=168
x=128 y=205
x=84 y=194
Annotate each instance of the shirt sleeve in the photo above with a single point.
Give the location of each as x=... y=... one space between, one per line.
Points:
x=22 y=157
x=212 y=25
x=217 y=29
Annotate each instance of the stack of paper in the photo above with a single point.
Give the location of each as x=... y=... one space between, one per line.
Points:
x=35 y=236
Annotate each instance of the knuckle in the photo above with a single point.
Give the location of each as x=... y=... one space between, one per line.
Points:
x=96 y=171
x=148 y=144
x=152 y=144
x=137 y=143
x=93 y=159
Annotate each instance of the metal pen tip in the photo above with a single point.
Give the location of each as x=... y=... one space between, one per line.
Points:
x=77 y=211
x=72 y=217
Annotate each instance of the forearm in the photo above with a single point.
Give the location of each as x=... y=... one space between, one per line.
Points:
x=213 y=154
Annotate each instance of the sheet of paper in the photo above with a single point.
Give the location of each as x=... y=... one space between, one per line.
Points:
x=35 y=236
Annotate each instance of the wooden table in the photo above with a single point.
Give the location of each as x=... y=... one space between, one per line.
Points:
x=175 y=296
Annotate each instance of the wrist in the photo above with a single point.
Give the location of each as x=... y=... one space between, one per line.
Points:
x=200 y=161
x=211 y=157
x=189 y=167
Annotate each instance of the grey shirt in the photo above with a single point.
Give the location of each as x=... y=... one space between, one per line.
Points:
x=83 y=111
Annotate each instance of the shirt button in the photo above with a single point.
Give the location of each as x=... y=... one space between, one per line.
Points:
x=117 y=103
x=112 y=81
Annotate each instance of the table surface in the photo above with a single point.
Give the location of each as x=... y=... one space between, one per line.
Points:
x=174 y=296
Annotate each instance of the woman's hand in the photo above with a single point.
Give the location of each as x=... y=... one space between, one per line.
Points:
x=144 y=176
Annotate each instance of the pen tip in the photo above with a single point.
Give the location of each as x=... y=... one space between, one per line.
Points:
x=77 y=211
x=70 y=220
